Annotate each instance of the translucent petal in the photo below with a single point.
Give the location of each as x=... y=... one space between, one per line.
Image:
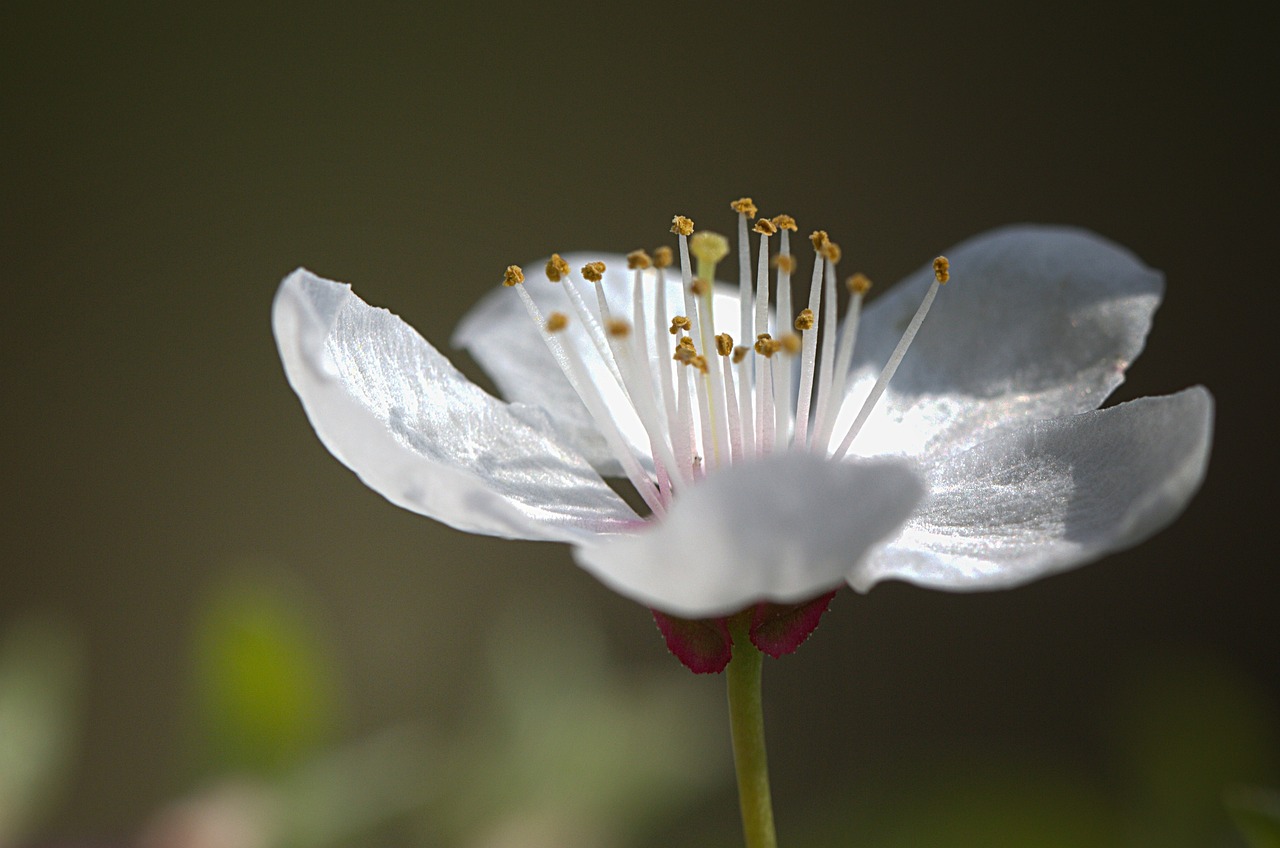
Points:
x=1037 y=322
x=396 y=412
x=1051 y=495
x=785 y=529
x=500 y=336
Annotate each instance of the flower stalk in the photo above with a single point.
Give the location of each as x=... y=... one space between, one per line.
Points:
x=746 y=725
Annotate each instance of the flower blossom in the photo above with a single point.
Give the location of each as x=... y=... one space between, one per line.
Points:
x=779 y=461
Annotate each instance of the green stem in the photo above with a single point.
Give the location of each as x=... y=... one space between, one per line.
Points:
x=746 y=723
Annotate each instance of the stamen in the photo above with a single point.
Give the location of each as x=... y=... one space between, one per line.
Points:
x=638 y=260
x=663 y=257
x=786 y=264
x=513 y=276
x=941 y=273
x=744 y=263
x=858 y=285
x=618 y=328
x=683 y=434
x=808 y=359
x=683 y=227
x=731 y=404
x=746 y=413
x=599 y=410
x=558 y=270
x=766 y=347
x=593 y=272
x=783 y=410
x=656 y=423
x=942 y=270
x=556 y=322
x=762 y=284
x=830 y=252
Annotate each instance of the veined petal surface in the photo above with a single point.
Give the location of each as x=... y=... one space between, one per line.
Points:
x=1037 y=322
x=1051 y=495
x=398 y=414
x=786 y=528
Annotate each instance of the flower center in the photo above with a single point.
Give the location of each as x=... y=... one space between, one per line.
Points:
x=700 y=400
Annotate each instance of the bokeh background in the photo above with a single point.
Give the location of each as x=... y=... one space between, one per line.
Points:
x=197 y=602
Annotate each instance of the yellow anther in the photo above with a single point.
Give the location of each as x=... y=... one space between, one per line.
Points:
x=765 y=227
x=686 y=355
x=764 y=344
x=681 y=226
x=686 y=342
x=818 y=238
x=791 y=343
x=679 y=323
x=858 y=284
x=557 y=268
x=710 y=247
x=784 y=261
x=556 y=322
x=593 y=272
x=831 y=252
x=638 y=259
x=740 y=353
x=724 y=344
x=699 y=286
x=744 y=206
x=513 y=276
x=941 y=270
x=663 y=257
x=804 y=321
x=619 y=328
x=785 y=222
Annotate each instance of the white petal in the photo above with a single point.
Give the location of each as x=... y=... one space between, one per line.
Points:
x=396 y=412
x=1037 y=322
x=500 y=336
x=784 y=529
x=1051 y=496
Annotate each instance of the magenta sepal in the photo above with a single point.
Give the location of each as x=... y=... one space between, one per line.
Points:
x=703 y=645
x=778 y=629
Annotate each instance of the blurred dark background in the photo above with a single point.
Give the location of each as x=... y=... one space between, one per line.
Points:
x=164 y=167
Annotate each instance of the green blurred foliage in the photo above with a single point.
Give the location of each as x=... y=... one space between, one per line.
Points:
x=1256 y=813
x=1186 y=727
x=567 y=747
x=41 y=671
x=266 y=692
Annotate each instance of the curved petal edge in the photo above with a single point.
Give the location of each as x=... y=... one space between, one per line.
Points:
x=1051 y=496
x=786 y=528
x=397 y=413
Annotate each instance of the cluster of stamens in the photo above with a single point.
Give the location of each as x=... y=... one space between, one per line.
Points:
x=701 y=401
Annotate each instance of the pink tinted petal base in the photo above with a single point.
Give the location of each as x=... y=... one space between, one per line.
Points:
x=778 y=629
x=703 y=645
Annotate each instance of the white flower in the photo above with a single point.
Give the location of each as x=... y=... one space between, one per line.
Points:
x=986 y=442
